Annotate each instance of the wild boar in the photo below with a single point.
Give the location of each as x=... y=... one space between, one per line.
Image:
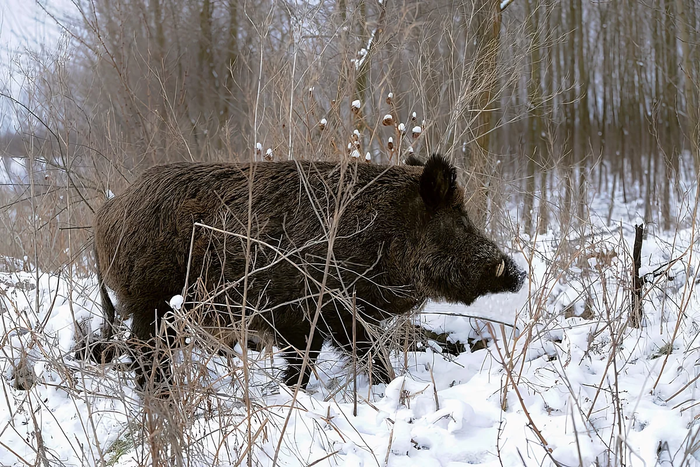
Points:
x=290 y=238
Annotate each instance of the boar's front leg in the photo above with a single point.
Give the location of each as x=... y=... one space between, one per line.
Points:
x=364 y=344
x=296 y=339
x=152 y=353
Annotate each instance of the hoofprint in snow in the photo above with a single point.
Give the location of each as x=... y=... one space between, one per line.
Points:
x=570 y=374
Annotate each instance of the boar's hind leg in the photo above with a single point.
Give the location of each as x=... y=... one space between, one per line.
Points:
x=152 y=362
x=295 y=355
x=381 y=373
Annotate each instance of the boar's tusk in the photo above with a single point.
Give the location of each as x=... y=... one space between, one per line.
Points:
x=500 y=268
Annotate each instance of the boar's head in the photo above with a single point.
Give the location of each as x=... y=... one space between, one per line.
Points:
x=449 y=257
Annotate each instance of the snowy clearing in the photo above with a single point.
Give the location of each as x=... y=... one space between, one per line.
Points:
x=595 y=390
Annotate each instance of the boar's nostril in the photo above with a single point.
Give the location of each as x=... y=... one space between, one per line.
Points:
x=500 y=268
x=520 y=280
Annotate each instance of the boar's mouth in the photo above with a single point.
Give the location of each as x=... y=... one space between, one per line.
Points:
x=510 y=275
x=506 y=276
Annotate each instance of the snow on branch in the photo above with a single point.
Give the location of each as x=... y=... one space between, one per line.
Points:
x=504 y=4
x=367 y=50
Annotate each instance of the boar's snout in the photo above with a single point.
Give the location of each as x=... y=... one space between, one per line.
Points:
x=509 y=277
x=499 y=275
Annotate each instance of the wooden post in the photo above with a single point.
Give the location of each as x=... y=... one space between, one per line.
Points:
x=637 y=282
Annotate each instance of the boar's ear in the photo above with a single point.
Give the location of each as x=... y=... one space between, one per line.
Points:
x=437 y=182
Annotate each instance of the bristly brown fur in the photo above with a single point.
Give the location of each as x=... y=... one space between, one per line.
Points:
x=403 y=237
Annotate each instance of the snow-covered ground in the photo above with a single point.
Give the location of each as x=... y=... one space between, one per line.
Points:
x=570 y=384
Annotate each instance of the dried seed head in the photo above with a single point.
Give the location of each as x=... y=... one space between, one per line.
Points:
x=416 y=131
x=355 y=106
x=388 y=120
x=390 y=143
x=390 y=98
x=322 y=124
x=368 y=157
x=268 y=154
x=258 y=150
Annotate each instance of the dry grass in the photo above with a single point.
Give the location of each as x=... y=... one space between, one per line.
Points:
x=97 y=111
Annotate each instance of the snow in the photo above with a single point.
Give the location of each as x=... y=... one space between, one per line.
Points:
x=596 y=390
x=363 y=53
x=13 y=170
x=176 y=302
x=504 y=4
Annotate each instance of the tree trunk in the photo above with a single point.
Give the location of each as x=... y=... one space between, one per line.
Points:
x=584 y=120
x=228 y=100
x=488 y=24
x=688 y=88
